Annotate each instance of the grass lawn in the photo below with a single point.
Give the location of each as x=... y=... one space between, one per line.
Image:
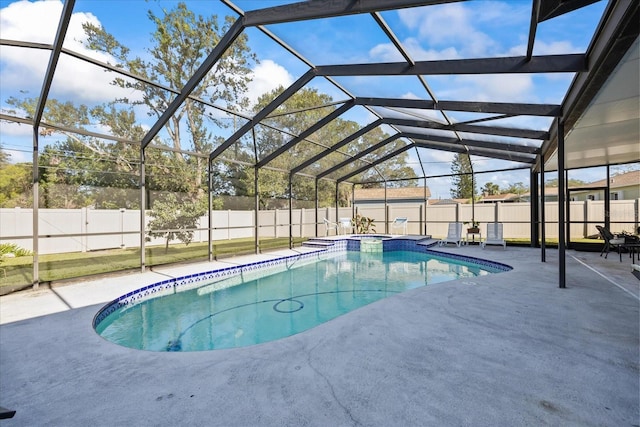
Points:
x=18 y=272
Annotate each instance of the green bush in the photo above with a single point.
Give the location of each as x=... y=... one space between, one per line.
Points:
x=12 y=248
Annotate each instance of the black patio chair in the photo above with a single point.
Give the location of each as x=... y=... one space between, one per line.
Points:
x=610 y=240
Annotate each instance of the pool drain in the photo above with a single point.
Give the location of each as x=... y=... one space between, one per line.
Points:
x=293 y=309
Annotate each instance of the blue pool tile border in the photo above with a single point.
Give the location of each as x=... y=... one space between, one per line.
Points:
x=258 y=268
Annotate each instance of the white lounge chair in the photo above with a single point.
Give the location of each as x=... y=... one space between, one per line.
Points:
x=494 y=235
x=345 y=225
x=400 y=222
x=328 y=225
x=454 y=235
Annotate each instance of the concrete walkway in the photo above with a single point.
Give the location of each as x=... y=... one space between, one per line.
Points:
x=510 y=349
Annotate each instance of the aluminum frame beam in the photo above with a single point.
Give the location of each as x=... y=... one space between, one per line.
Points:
x=515 y=109
x=359 y=155
x=484 y=130
x=337 y=146
x=217 y=52
x=489 y=145
x=475 y=151
x=317 y=9
x=289 y=92
x=317 y=126
x=376 y=162
x=569 y=63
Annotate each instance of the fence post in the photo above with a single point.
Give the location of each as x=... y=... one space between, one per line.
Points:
x=585 y=224
x=275 y=224
x=301 y=221
x=84 y=221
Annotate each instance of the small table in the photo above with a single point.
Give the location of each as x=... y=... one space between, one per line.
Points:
x=473 y=238
x=633 y=247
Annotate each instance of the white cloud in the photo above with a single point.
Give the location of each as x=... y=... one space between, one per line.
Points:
x=542 y=48
x=41 y=25
x=266 y=76
x=386 y=52
x=448 y=25
x=23 y=69
x=493 y=88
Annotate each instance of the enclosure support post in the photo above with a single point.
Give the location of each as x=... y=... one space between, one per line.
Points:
x=533 y=207
x=353 y=200
x=210 y=217
x=290 y=211
x=143 y=206
x=561 y=206
x=426 y=203
x=61 y=32
x=337 y=212
x=543 y=219
x=257 y=207
x=607 y=201
x=386 y=210
x=35 y=280
x=317 y=206
x=256 y=200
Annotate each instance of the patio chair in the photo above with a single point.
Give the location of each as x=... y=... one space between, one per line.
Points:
x=345 y=225
x=328 y=225
x=610 y=240
x=454 y=235
x=400 y=222
x=494 y=235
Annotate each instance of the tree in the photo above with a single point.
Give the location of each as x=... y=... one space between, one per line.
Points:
x=172 y=218
x=86 y=170
x=462 y=181
x=516 y=188
x=15 y=185
x=181 y=43
x=4 y=156
x=572 y=182
x=490 y=189
x=15 y=182
x=297 y=114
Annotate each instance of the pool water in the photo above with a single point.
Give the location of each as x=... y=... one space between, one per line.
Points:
x=278 y=305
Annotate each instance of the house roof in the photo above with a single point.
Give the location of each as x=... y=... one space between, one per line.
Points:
x=448 y=201
x=499 y=197
x=617 y=181
x=417 y=193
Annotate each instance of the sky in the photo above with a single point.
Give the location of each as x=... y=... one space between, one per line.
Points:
x=451 y=31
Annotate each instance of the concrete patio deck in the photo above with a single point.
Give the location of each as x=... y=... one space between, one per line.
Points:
x=510 y=349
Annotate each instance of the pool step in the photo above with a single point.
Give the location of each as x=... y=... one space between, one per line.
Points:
x=318 y=243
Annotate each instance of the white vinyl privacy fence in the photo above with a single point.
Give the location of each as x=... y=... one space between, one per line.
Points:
x=81 y=230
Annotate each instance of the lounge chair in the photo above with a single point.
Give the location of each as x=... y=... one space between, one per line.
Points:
x=494 y=235
x=400 y=222
x=454 y=235
x=346 y=225
x=610 y=240
x=328 y=225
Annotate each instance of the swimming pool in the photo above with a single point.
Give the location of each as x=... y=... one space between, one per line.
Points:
x=267 y=301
